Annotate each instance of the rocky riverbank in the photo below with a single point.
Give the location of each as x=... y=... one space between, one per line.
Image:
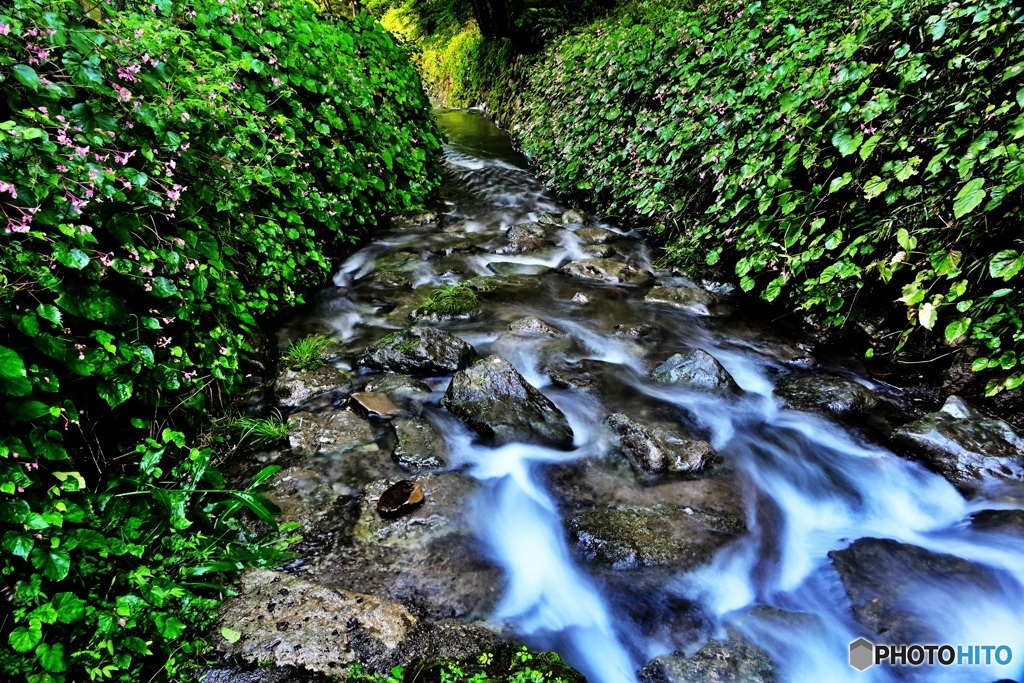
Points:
x=580 y=348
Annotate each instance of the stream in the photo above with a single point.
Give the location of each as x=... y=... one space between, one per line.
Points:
x=738 y=552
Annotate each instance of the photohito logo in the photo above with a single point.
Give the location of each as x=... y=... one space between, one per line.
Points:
x=865 y=654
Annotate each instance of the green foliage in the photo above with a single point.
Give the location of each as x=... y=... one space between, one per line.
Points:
x=168 y=177
x=261 y=432
x=306 y=353
x=451 y=300
x=507 y=664
x=826 y=153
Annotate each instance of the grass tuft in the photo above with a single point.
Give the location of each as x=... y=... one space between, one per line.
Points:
x=306 y=353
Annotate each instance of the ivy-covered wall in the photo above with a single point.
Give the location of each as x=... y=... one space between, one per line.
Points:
x=172 y=175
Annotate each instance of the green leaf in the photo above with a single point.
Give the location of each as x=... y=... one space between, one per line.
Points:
x=11 y=364
x=874 y=187
x=957 y=329
x=27 y=76
x=847 y=144
x=168 y=626
x=840 y=182
x=50 y=312
x=73 y=258
x=18 y=544
x=906 y=242
x=70 y=608
x=51 y=657
x=1005 y=264
x=969 y=197
x=54 y=563
x=115 y=392
x=164 y=287
x=25 y=639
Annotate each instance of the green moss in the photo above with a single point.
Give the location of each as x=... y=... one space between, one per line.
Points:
x=451 y=300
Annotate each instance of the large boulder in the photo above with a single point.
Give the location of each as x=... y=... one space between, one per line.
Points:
x=422 y=351
x=814 y=392
x=497 y=402
x=692 y=300
x=695 y=368
x=657 y=451
x=658 y=535
x=331 y=431
x=878 y=574
x=731 y=661
x=607 y=270
x=292 y=388
x=963 y=445
x=523 y=231
x=294 y=622
x=1009 y=522
x=524 y=246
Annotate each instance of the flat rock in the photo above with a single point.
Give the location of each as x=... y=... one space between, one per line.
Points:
x=660 y=535
x=731 y=661
x=374 y=404
x=964 y=445
x=607 y=270
x=596 y=235
x=497 y=402
x=419 y=350
x=698 y=369
x=331 y=431
x=418 y=446
x=878 y=574
x=292 y=388
x=532 y=326
x=443 y=511
x=657 y=451
x=532 y=230
x=388 y=278
x=404 y=391
x=815 y=392
x=604 y=251
x=303 y=496
x=294 y=622
x=548 y=218
x=692 y=300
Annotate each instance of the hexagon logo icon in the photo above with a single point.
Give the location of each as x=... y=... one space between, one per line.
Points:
x=862 y=654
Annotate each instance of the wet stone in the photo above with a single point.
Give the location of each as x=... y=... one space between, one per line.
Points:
x=522 y=231
x=419 y=446
x=549 y=218
x=695 y=368
x=443 y=510
x=292 y=388
x=373 y=404
x=285 y=619
x=878 y=574
x=607 y=270
x=400 y=499
x=825 y=392
x=574 y=217
x=731 y=661
x=419 y=350
x=602 y=251
x=388 y=278
x=692 y=300
x=331 y=431
x=532 y=326
x=524 y=246
x=659 y=535
x=658 y=451
x=596 y=235
x=403 y=391
x=999 y=521
x=580 y=298
x=497 y=402
x=964 y=445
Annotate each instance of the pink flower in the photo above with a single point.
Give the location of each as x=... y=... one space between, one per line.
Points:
x=4 y=29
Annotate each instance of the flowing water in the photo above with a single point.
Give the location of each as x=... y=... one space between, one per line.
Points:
x=802 y=484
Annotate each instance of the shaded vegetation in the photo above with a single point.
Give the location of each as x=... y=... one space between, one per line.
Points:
x=451 y=300
x=170 y=178
x=306 y=353
x=851 y=160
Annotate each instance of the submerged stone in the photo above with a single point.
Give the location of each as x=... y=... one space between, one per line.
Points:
x=692 y=300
